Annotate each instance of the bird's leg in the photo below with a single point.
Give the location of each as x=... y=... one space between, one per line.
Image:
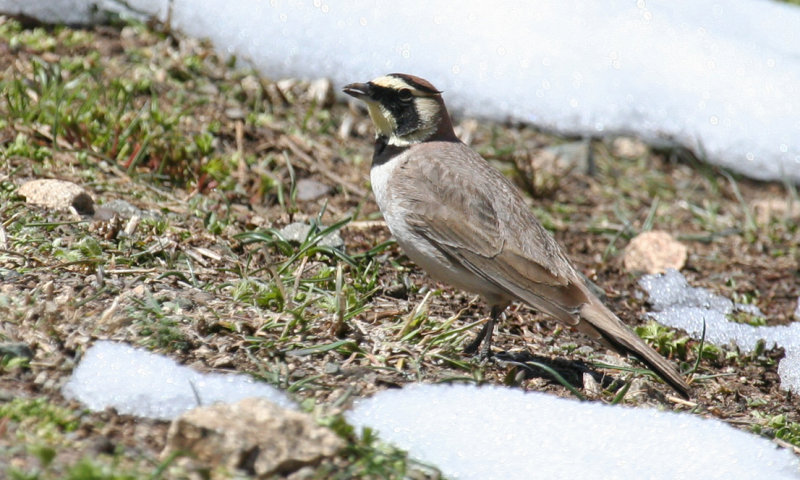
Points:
x=485 y=335
x=486 y=349
x=472 y=347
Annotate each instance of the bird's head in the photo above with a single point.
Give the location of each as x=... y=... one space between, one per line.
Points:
x=405 y=109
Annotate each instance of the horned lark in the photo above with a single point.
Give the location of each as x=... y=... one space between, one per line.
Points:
x=466 y=224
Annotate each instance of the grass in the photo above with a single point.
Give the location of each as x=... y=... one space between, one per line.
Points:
x=210 y=159
x=664 y=340
x=45 y=433
x=778 y=426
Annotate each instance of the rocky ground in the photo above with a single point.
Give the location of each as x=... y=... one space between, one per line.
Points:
x=196 y=165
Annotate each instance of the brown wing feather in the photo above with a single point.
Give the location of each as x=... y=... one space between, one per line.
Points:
x=530 y=283
x=484 y=223
x=450 y=210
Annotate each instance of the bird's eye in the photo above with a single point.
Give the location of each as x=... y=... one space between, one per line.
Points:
x=405 y=94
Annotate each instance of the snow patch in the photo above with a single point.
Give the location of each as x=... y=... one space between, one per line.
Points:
x=678 y=305
x=496 y=432
x=137 y=382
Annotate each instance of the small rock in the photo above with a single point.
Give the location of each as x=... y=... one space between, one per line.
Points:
x=397 y=290
x=57 y=195
x=562 y=159
x=253 y=435
x=309 y=189
x=765 y=209
x=15 y=350
x=251 y=86
x=590 y=386
x=7 y=276
x=585 y=350
x=346 y=127
x=225 y=361
x=40 y=379
x=298 y=232
x=286 y=84
x=235 y=113
x=627 y=147
x=321 y=92
x=117 y=207
x=654 y=252
x=208 y=89
x=332 y=368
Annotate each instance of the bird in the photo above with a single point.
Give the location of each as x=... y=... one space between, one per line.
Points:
x=467 y=225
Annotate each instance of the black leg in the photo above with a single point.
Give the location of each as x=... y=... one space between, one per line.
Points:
x=472 y=347
x=485 y=335
x=486 y=348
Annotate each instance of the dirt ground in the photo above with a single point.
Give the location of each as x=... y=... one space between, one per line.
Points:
x=211 y=157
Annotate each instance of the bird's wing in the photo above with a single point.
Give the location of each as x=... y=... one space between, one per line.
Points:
x=476 y=217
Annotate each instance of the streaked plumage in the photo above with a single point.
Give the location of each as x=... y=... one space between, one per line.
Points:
x=467 y=225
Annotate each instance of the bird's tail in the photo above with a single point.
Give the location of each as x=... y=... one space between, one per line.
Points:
x=601 y=323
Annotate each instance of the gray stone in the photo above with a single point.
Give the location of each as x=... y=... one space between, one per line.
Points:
x=235 y=113
x=15 y=350
x=309 y=189
x=563 y=158
x=117 y=207
x=298 y=232
x=7 y=276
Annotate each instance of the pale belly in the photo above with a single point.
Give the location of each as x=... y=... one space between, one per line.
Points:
x=418 y=248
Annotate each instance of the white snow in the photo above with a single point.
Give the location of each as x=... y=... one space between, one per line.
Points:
x=721 y=78
x=137 y=382
x=677 y=304
x=502 y=433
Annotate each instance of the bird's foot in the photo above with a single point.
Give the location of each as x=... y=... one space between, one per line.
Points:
x=482 y=341
x=484 y=338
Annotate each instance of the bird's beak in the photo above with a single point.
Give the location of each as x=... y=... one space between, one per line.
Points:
x=357 y=90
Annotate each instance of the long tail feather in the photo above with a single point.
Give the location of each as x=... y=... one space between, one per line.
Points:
x=599 y=320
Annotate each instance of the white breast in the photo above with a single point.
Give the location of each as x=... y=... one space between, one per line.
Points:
x=417 y=247
x=379 y=176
